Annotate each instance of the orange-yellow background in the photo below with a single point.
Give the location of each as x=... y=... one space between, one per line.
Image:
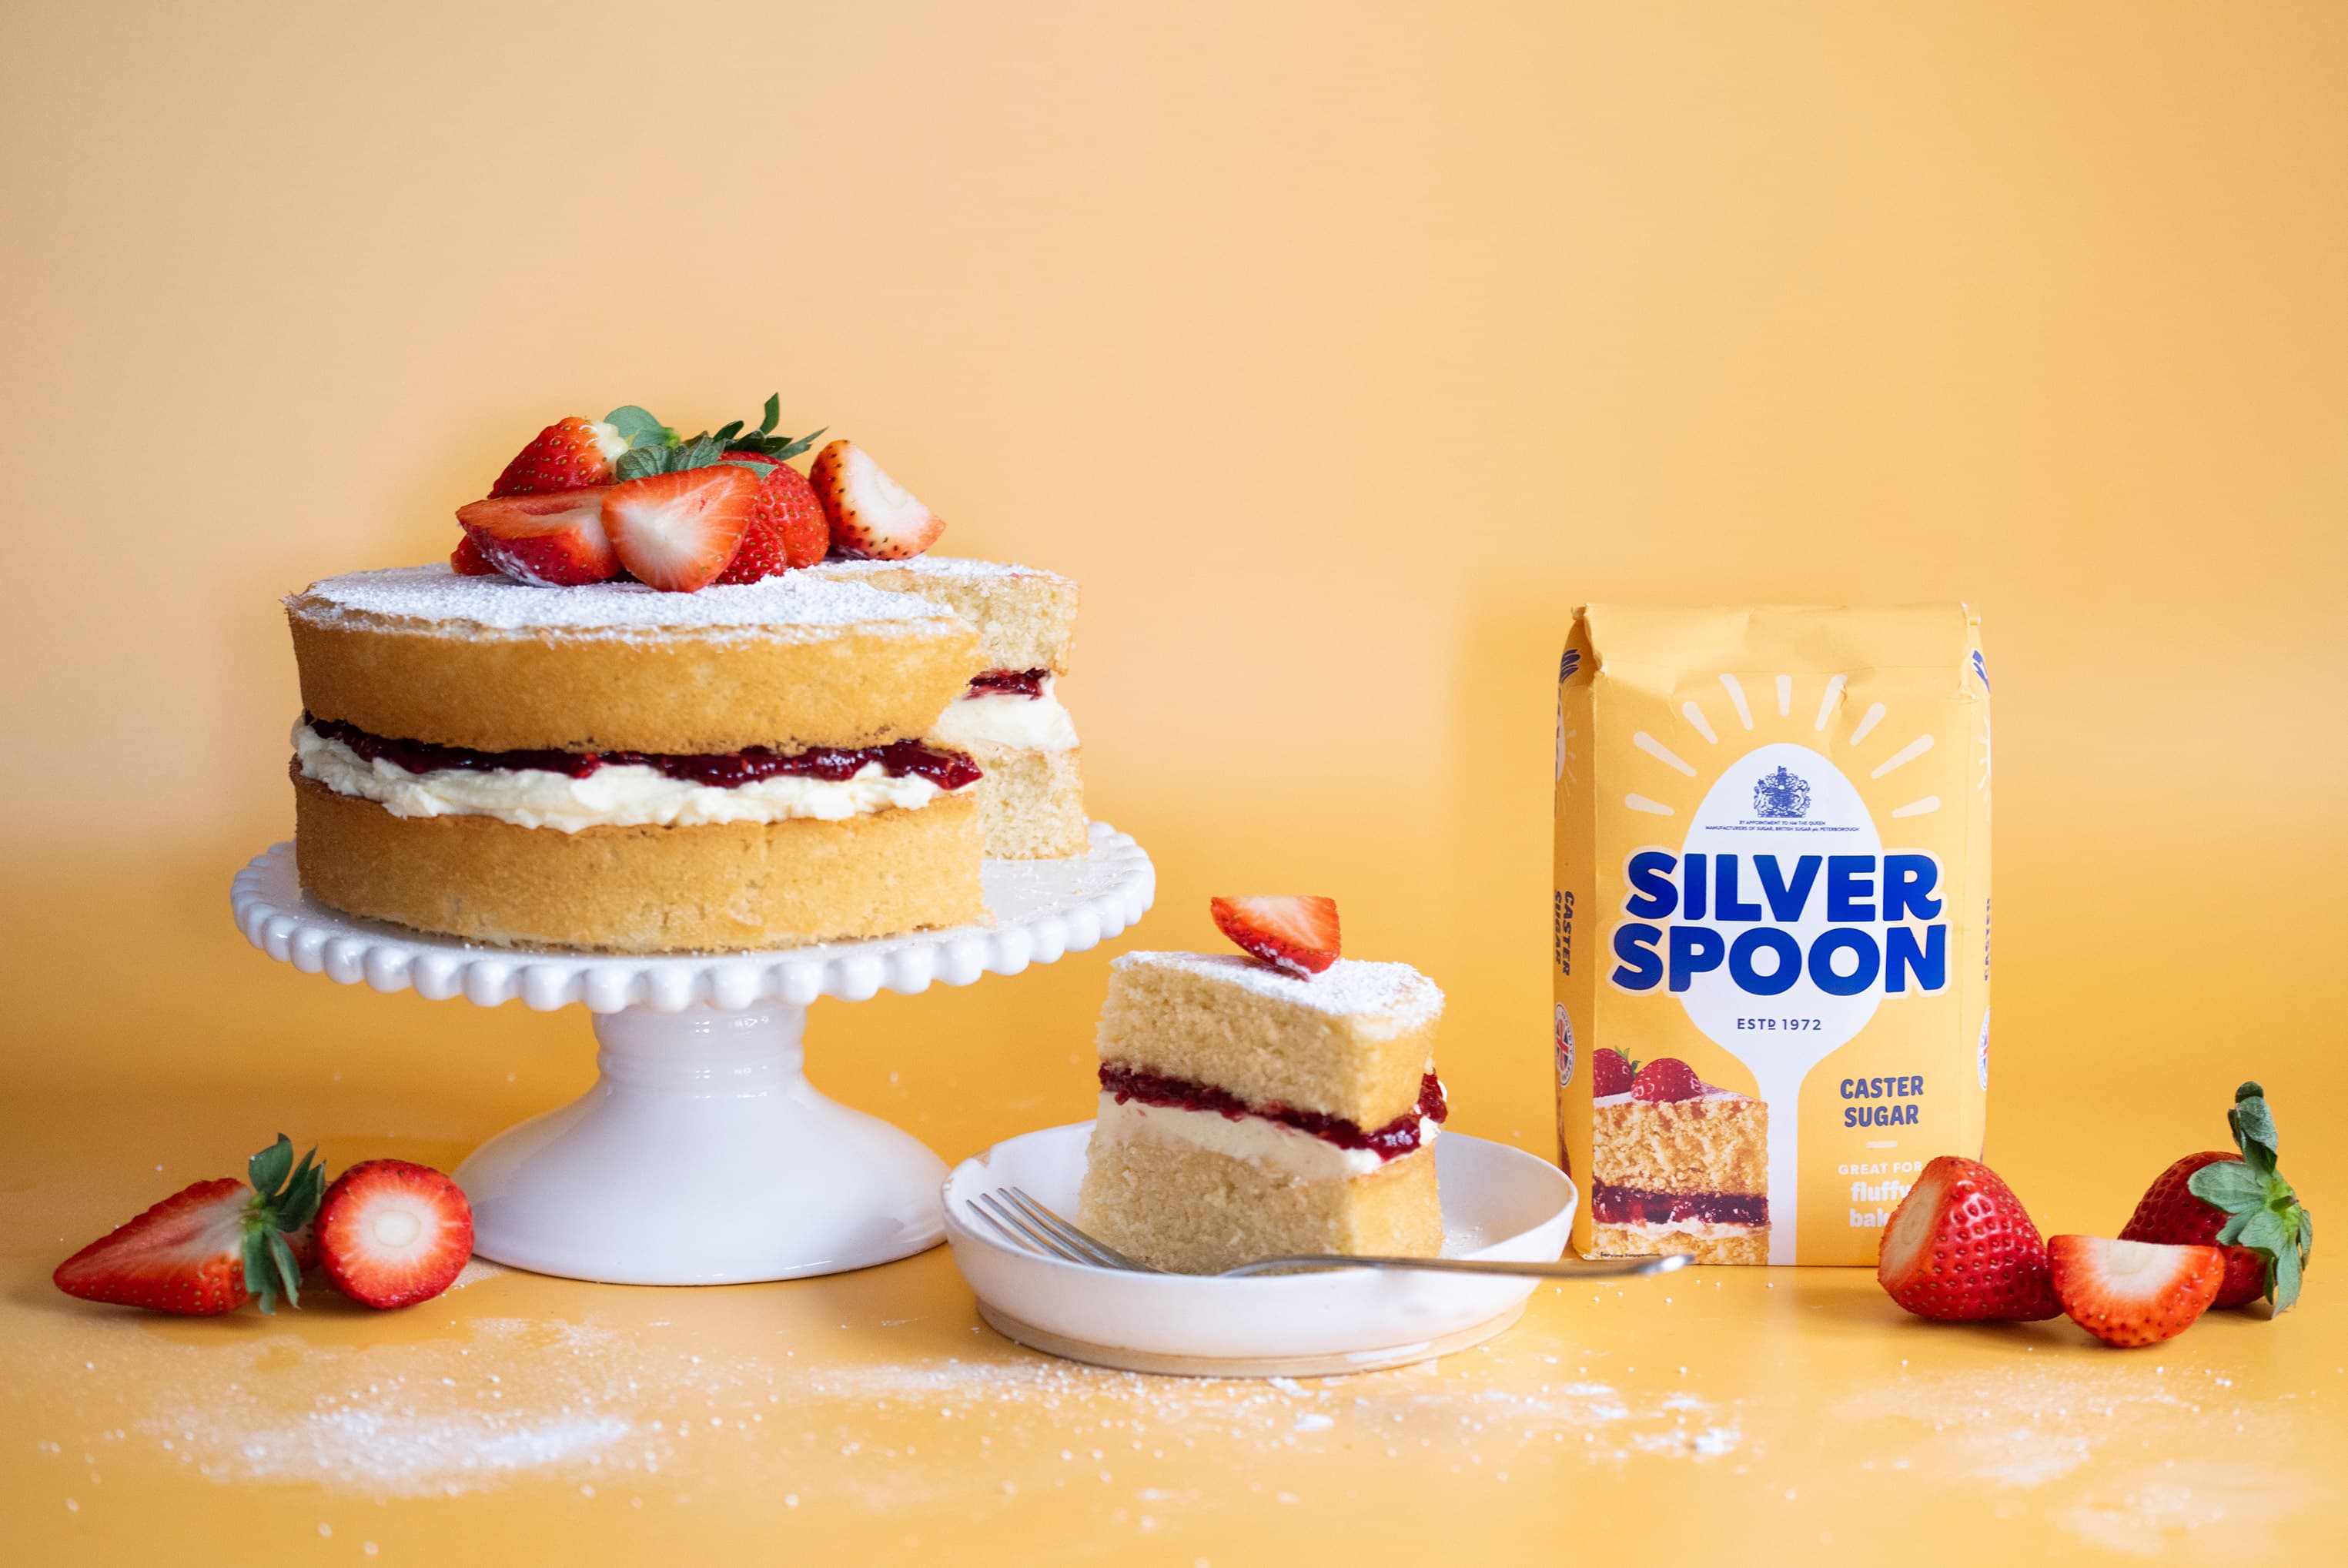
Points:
x=1337 y=350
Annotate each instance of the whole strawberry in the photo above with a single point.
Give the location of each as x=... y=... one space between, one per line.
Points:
x=1610 y=1072
x=2237 y=1201
x=787 y=527
x=569 y=454
x=209 y=1248
x=1960 y=1248
x=1667 y=1079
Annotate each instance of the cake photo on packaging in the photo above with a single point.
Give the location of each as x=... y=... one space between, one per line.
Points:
x=1281 y=1104
x=1770 y=932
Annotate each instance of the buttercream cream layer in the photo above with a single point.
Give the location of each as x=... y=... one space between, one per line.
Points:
x=1037 y=722
x=1256 y=1139
x=612 y=793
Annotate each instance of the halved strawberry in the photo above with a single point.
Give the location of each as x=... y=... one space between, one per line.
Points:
x=209 y=1248
x=1960 y=1247
x=679 y=532
x=871 y=515
x=552 y=539
x=392 y=1233
x=569 y=454
x=787 y=527
x=467 y=560
x=2134 y=1293
x=1291 y=932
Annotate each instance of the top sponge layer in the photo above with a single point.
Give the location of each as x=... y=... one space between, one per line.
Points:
x=1027 y=618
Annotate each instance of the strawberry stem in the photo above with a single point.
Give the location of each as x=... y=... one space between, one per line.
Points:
x=2263 y=1212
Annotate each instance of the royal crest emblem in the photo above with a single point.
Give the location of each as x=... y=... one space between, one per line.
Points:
x=1781 y=794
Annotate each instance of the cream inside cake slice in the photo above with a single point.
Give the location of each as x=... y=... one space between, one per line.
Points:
x=1248 y=1113
x=1011 y=720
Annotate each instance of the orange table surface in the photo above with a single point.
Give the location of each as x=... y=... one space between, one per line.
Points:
x=1776 y=1414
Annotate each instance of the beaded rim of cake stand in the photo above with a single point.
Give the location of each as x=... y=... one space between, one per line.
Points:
x=1043 y=910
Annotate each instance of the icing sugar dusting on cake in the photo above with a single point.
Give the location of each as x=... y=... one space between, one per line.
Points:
x=1352 y=986
x=966 y=567
x=796 y=602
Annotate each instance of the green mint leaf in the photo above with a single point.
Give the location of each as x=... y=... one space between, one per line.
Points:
x=638 y=427
x=638 y=462
x=774 y=414
x=2228 y=1184
x=268 y=1169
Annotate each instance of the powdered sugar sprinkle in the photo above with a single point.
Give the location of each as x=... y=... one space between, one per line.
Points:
x=795 y=605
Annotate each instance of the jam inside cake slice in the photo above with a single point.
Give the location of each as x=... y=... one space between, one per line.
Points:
x=1679 y=1165
x=1010 y=719
x=1248 y=1113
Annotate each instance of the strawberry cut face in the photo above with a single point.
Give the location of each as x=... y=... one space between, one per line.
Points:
x=2131 y=1294
x=1288 y=931
x=554 y=541
x=680 y=532
x=871 y=515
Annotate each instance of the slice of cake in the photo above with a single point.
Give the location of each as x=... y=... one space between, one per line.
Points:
x=1010 y=720
x=1249 y=1111
x=1676 y=1165
x=604 y=766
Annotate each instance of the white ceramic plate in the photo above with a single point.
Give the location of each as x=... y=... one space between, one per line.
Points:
x=1497 y=1203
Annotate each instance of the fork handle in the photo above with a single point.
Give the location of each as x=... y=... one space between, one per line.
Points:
x=1615 y=1268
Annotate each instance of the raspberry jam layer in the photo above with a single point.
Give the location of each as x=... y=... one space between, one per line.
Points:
x=1394 y=1140
x=1008 y=683
x=722 y=770
x=1611 y=1205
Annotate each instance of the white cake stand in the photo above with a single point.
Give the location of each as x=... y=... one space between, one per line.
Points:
x=702 y=1155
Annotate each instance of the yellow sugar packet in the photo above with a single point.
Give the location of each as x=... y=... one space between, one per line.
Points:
x=1771 y=924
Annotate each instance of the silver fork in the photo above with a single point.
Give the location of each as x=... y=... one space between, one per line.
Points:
x=1031 y=1226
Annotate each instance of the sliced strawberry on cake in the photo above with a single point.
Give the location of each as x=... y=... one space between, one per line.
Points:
x=679 y=532
x=554 y=541
x=871 y=515
x=786 y=529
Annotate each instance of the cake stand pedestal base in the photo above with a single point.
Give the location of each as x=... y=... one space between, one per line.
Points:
x=702 y=1156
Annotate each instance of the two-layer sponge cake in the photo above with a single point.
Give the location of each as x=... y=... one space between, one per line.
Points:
x=1010 y=720
x=1677 y=1165
x=1247 y=1112
x=605 y=766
